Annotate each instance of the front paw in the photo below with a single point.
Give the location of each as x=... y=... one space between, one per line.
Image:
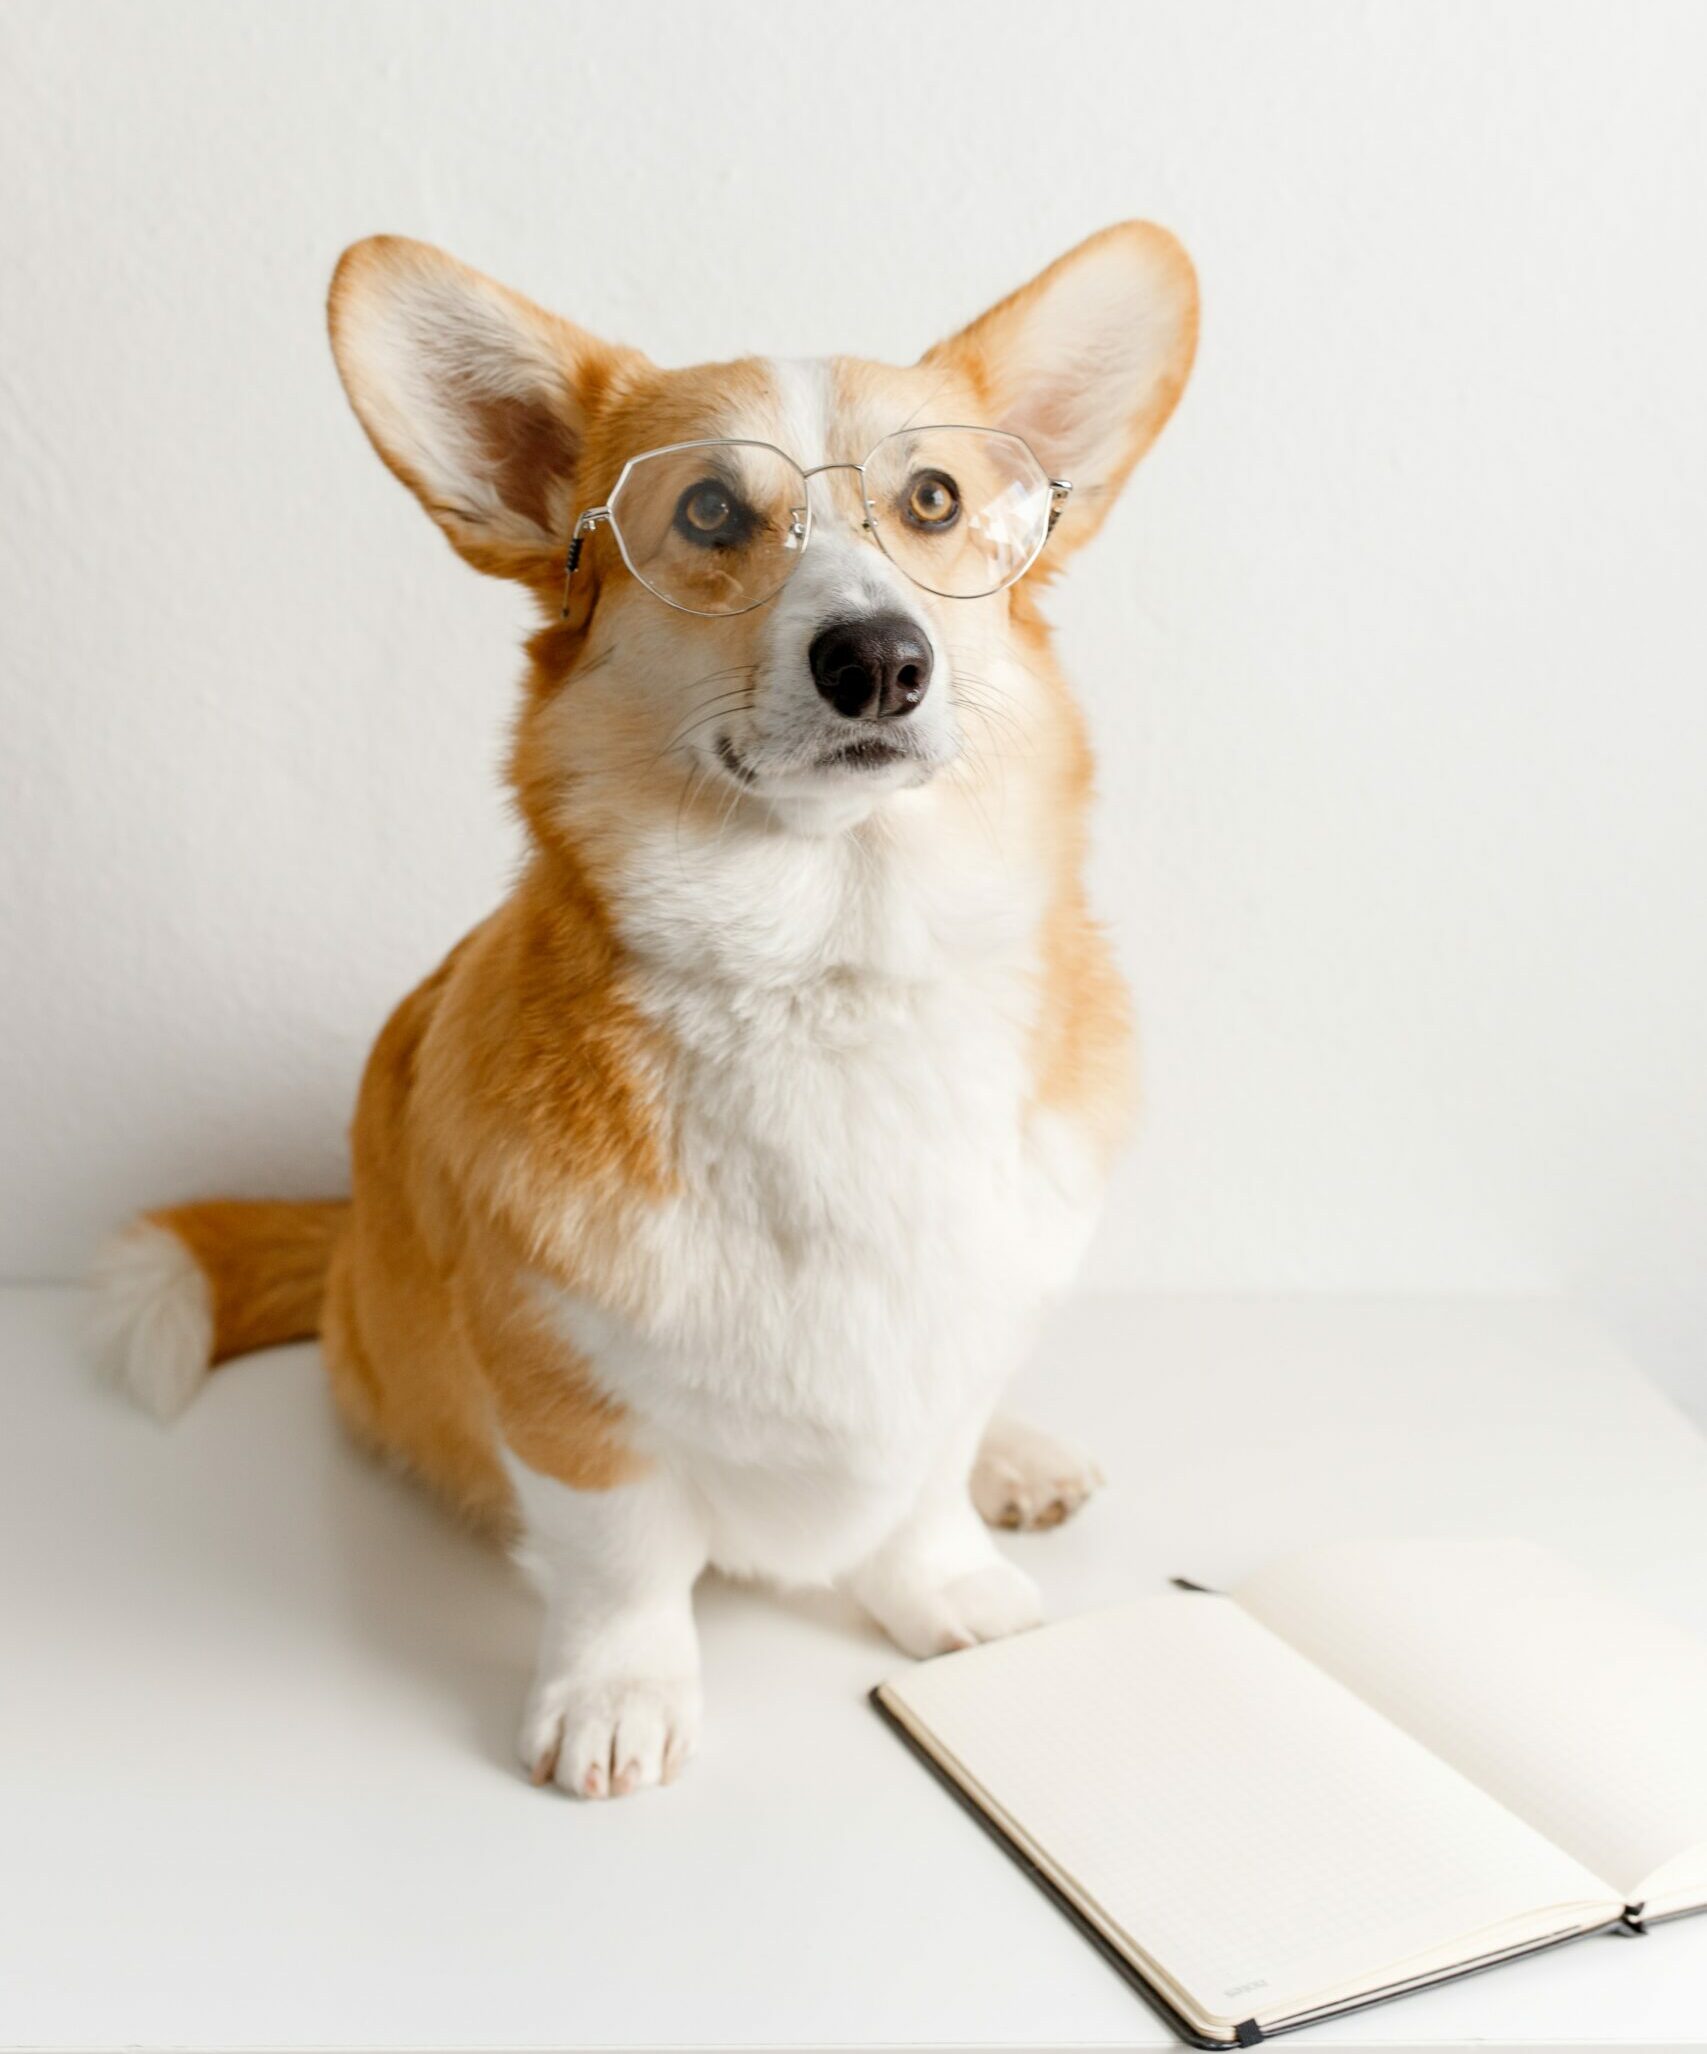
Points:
x=983 y=1604
x=607 y=1737
x=1025 y=1478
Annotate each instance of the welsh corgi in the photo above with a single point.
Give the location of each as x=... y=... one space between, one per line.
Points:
x=705 y=1197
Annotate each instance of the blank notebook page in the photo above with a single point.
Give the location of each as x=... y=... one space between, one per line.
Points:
x=1582 y=1712
x=1233 y=1814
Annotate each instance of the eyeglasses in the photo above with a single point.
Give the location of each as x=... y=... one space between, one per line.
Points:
x=718 y=527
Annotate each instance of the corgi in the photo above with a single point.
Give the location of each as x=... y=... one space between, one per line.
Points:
x=705 y=1198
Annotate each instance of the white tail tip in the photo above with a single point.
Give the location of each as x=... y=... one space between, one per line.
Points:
x=153 y=1317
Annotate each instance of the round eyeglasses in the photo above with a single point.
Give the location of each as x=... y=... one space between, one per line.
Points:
x=717 y=527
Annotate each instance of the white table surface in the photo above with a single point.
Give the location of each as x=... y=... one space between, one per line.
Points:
x=256 y=1786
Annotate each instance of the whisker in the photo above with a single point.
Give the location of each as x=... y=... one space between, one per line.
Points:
x=994 y=691
x=700 y=774
x=710 y=708
x=990 y=725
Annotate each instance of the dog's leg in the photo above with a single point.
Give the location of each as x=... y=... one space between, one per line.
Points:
x=616 y=1697
x=1026 y=1478
x=939 y=1581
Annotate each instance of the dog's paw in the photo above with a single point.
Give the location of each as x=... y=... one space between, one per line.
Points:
x=1024 y=1478
x=985 y=1604
x=605 y=1738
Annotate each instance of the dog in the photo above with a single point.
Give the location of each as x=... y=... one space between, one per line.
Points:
x=705 y=1198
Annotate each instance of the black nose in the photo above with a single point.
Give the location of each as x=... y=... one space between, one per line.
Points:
x=873 y=669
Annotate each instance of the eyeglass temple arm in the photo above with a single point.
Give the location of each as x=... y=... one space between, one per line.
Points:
x=1060 y=491
x=583 y=528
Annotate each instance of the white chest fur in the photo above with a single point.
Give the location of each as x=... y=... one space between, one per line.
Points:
x=866 y=1217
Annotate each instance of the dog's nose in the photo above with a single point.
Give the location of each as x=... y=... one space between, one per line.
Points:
x=877 y=668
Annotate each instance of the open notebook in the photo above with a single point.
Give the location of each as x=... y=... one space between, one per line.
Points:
x=1371 y=1767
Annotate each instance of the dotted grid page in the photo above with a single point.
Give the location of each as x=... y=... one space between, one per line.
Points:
x=1575 y=1708
x=1241 y=1822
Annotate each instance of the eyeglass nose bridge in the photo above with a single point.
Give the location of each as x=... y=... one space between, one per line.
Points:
x=817 y=471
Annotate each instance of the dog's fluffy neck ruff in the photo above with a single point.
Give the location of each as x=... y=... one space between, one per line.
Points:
x=906 y=897
x=785 y=903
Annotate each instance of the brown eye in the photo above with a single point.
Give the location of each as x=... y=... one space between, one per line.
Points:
x=710 y=515
x=933 y=501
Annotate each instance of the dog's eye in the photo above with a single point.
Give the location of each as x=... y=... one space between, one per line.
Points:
x=711 y=515
x=933 y=501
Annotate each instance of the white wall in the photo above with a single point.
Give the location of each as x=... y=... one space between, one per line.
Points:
x=1393 y=653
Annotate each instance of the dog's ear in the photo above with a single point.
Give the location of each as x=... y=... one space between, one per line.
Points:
x=476 y=398
x=1087 y=362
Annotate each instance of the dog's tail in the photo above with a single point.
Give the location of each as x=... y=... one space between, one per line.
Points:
x=186 y=1288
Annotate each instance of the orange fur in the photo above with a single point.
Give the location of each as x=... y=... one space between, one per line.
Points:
x=1082 y=1045
x=511 y=1077
x=265 y=1263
